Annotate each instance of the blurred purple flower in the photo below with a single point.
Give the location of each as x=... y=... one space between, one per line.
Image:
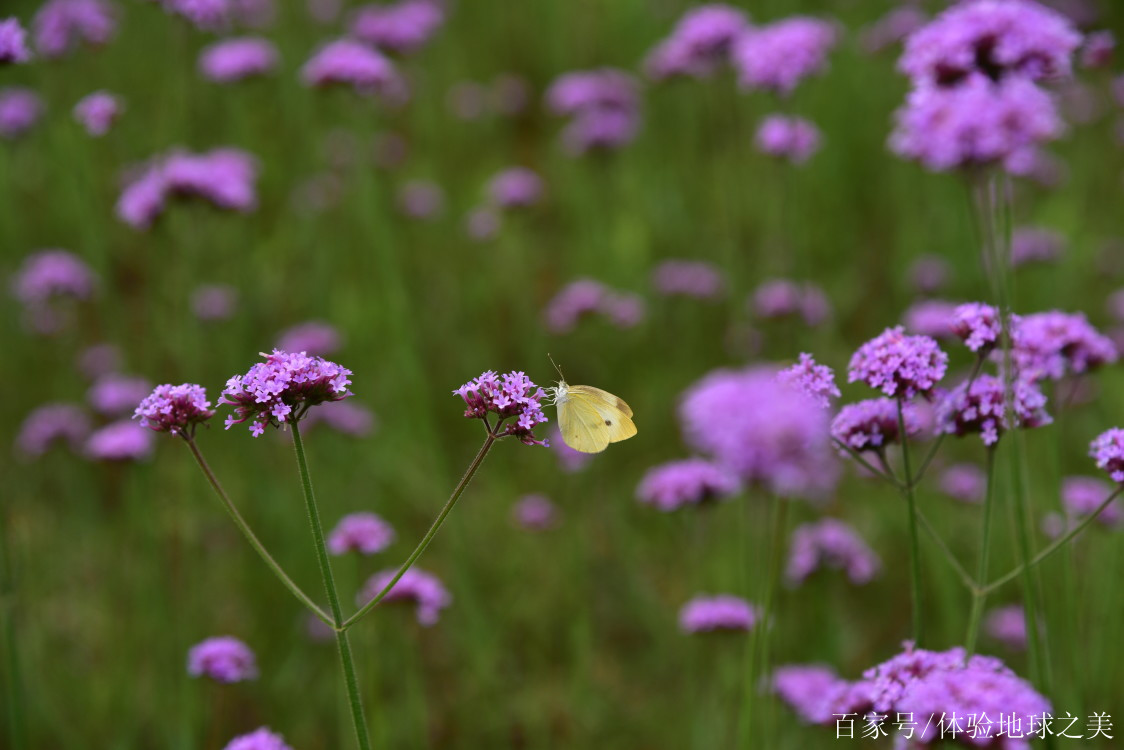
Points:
x=535 y=513
x=421 y=199
x=776 y=57
x=119 y=441
x=898 y=365
x=979 y=407
x=61 y=25
x=467 y=100
x=600 y=130
x=929 y=273
x=214 y=301
x=403 y=26
x=232 y=60
x=964 y=482
x=586 y=296
x=782 y=298
x=677 y=484
x=364 y=533
x=205 y=15
x=114 y=395
x=810 y=690
x=978 y=326
x=699 y=44
x=603 y=105
x=313 y=337
x=222 y=658
x=99 y=359
x=1107 y=449
x=1007 y=625
x=176 y=409
x=791 y=138
x=1098 y=49
x=13 y=42
x=1081 y=496
x=892 y=28
x=259 y=739
x=346 y=62
x=417 y=586
x=512 y=394
x=97 y=112
x=570 y=460
x=723 y=612
x=871 y=425
x=482 y=223
x=20 y=110
x=931 y=317
x=510 y=94
x=1035 y=245
x=345 y=417
x=515 y=187
x=688 y=278
x=224 y=177
x=815 y=380
x=48 y=275
x=833 y=544
x=281 y=389
x=1053 y=344
x=49 y=424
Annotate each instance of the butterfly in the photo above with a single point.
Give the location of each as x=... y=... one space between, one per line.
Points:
x=590 y=418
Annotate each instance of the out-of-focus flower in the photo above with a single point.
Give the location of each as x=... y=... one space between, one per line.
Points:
x=417 y=586
x=205 y=15
x=346 y=62
x=61 y=25
x=603 y=105
x=978 y=326
x=1007 y=625
x=689 y=278
x=467 y=100
x=404 y=26
x=817 y=381
x=421 y=199
x=778 y=56
x=1081 y=496
x=253 y=14
x=833 y=544
x=570 y=460
x=929 y=273
x=782 y=298
x=115 y=395
x=699 y=44
x=177 y=409
x=1053 y=344
x=723 y=612
x=281 y=389
x=99 y=359
x=764 y=431
x=892 y=28
x=791 y=138
x=119 y=441
x=510 y=395
x=233 y=60
x=1115 y=305
x=20 y=110
x=259 y=739
x=586 y=296
x=223 y=658
x=49 y=424
x=97 y=112
x=1035 y=245
x=364 y=533
x=872 y=425
x=931 y=317
x=677 y=484
x=482 y=223
x=1038 y=166
x=324 y=11
x=978 y=406
x=964 y=482
x=1098 y=49
x=46 y=281
x=346 y=417
x=510 y=94
x=13 y=42
x=811 y=690
x=515 y=187
x=214 y=301
x=900 y=366
x=314 y=337
x=1108 y=451
x=535 y=513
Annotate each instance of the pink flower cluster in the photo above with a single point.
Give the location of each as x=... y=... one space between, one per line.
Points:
x=417 y=586
x=978 y=406
x=700 y=43
x=583 y=297
x=364 y=533
x=175 y=408
x=678 y=484
x=724 y=612
x=900 y=366
x=282 y=389
x=603 y=106
x=830 y=543
x=778 y=56
x=511 y=395
x=223 y=659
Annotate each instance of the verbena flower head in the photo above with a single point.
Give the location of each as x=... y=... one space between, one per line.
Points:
x=690 y=278
x=603 y=106
x=97 y=112
x=515 y=187
x=930 y=317
x=404 y=26
x=817 y=381
x=119 y=441
x=780 y=55
x=205 y=15
x=1081 y=496
x=20 y=110
x=830 y=543
x=699 y=44
x=510 y=396
x=214 y=301
x=417 y=586
x=974 y=124
x=584 y=297
x=259 y=739
x=993 y=38
x=677 y=484
x=900 y=366
x=345 y=417
x=482 y=223
x=1098 y=49
x=724 y=612
x=364 y=533
x=313 y=336
x=600 y=130
x=764 y=431
x=1053 y=344
x=978 y=326
x=223 y=659
x=782 y=298
x=50 y=424
x=421 y=199
x=115 y=395
x=282 y=389
x=346 y=62
x=978 y=406
x=810 y=690
x=238 y=59
x=61 y=25
x=47 y=275
x=535 y=513
x=1108 y=451
x=964 y=482
x=1007 y=625
x=1035 y=245
x=176 y=409
x=791 y=138
x=13 y=42
x=224 y=177
x=872 y=425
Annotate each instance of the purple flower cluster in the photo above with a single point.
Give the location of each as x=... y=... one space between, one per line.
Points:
x=345 y=417
x=259 y=739
x=1007 y=625
x=223 y=659
x=930 y=317
x=98 y=359
x=720 y=613
x=929 y=273
x=1035 y=245
x=61 y=25
x=1081 y=496
x=833 y=544
x=762 y=430
x=175 y=408
x=404 y=26
x=417 y=586
x=346 y=62
x=214 y=301
x=815 y=380
x=13 y=42
x=97 y=112
x=232 y=60
x=1053 y=344
x=872 y=425
x=677 y=484
x=586 y=296
x=603 y=107
x=364 y=533
x=688 y=278
x=811 y=690
x=49 y=275
x=114 y=394
x=224 y=177
x=313 y=336
x=977 y=406
x=900 y=366
x=780 y=55
x=1108 y=451
x=791 y=138
x=119 y=441
x=535 y=513
x=282 y=389
x=699 y=44
x=964 y=482
x=978 y=326
x=510 y=395
x=49 y=424
x=1098 y=49
x=205 y=15
x=515 y=187
x=20 y=110
x=782 y=298
x=421 y=199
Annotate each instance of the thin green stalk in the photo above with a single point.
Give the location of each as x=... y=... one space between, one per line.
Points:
x=961 y=571
x=437 y=522
x=346 y=659
x=252 y=538
x=979 y=597
x=867 y=465
x=765 y=626
x=914 y=543
x=14 y=700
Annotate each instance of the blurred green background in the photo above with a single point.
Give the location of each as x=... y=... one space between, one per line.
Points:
x=562 y=639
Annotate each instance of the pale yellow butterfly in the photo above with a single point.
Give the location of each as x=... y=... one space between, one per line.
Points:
x=590 y=418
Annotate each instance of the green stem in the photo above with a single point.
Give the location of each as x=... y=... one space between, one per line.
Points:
x=14 y=691
x=346 y=660
x=868 y=465
x=252 y=538
x=914 y=544
x=979 y=597
x=969 y=582
x=437 y=522
x=765 y=627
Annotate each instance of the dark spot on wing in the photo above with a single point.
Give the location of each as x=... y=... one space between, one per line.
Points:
x=608 y=423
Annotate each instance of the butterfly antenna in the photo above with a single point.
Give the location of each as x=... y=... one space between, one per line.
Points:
x=556 y=367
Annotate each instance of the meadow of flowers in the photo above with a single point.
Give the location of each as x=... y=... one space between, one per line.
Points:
x=282 y=467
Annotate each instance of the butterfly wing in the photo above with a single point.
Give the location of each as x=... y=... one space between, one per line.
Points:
x=600 y=395
x=598 y=418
